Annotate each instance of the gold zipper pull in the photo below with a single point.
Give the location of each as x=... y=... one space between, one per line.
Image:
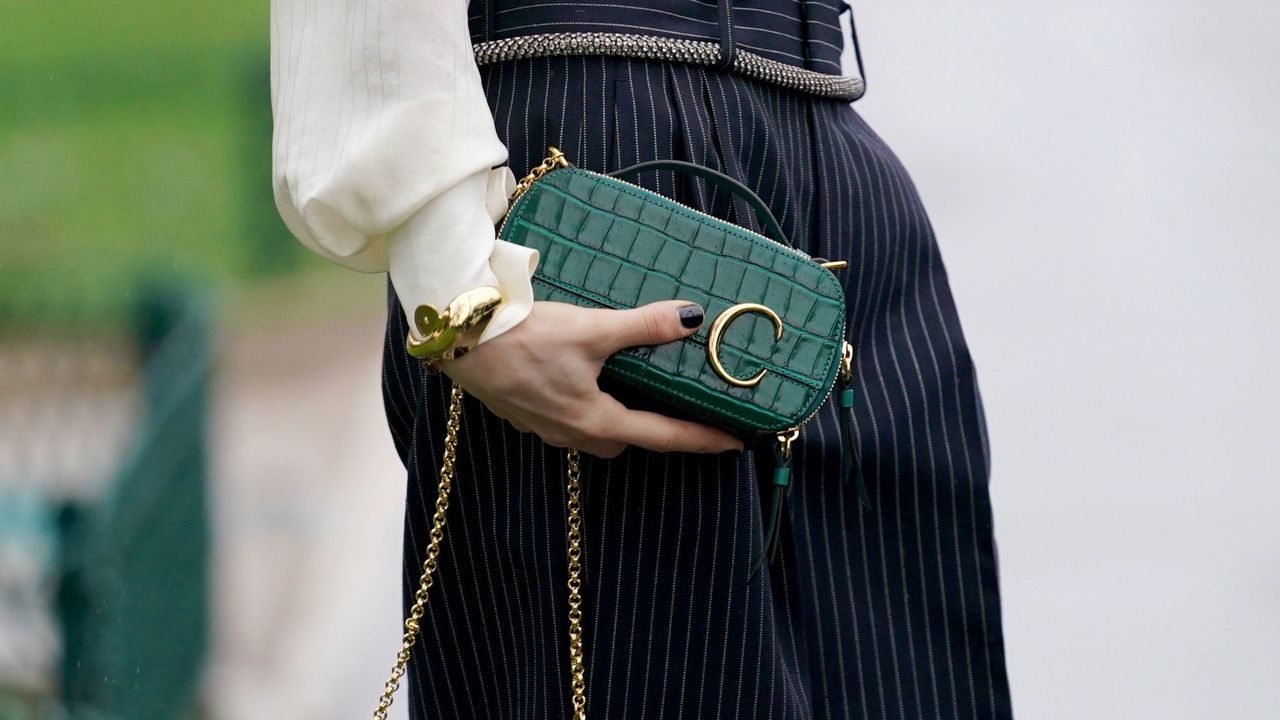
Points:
x=846 y=362
x=844 y=413
x=785 y=438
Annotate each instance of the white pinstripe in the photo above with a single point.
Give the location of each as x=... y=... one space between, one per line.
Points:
x=659 y=636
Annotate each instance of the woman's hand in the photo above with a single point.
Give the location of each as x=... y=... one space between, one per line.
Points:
x=541 y=377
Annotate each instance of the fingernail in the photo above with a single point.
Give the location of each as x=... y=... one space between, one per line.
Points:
x=691 y=315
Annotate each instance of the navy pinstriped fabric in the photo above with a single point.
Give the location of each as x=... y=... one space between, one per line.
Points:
x=802 y=33
x=890 y=611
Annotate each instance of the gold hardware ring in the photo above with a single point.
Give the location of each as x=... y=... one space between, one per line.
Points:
x=721 y=324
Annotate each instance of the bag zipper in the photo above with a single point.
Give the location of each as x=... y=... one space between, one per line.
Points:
x=555 y=160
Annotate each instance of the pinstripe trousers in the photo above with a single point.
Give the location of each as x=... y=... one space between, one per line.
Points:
x=882 y=611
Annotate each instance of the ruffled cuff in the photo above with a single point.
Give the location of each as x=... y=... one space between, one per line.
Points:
x=449 y=246
x=513 y=265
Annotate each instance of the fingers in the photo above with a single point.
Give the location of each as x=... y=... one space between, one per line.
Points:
x=603 y=449
x=651 y=324
x=560 y=407
x=589 y=443
x=608 y=431
x=659 y=433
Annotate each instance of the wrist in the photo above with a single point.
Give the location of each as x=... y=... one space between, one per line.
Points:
x=448 y=248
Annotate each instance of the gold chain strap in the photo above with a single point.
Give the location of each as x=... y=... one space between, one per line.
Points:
x=553 y=160
x=577 y=667
x=412 y=624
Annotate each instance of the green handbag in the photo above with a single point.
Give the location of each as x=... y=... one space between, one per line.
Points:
x=773 y=350
x=772 y=354
x=775 y=347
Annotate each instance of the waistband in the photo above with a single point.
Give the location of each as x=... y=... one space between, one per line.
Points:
x=793 y=44
x=650 y=47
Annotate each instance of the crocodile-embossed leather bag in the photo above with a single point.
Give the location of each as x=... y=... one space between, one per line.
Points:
x=773 y=353
x=775 y=349
x=775 y=346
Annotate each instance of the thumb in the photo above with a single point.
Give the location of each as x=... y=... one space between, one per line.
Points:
x=652 y=324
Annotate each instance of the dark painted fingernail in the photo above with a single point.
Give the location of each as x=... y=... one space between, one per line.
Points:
x=691 y=315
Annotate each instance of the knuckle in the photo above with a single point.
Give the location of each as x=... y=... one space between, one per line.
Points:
x=593 y=423
x=655 y=330
x=667 y=442
x=582 y=425
x=582 y=326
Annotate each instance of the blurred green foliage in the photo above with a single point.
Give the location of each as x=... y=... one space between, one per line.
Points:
x=134 y=136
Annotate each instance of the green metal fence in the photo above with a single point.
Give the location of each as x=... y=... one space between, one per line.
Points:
x=134 y=598
x=132 y=564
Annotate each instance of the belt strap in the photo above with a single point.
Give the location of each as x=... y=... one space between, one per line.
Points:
x=857 y=48
x=681 y=50
x=727 y=47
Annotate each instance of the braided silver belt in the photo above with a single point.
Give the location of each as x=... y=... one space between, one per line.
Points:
x=651 y=47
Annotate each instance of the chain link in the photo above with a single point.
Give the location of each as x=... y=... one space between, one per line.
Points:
x=412 y=623
x=577 y=664
x=555 y=159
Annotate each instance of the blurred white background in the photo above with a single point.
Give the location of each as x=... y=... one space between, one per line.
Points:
x=1104 y=181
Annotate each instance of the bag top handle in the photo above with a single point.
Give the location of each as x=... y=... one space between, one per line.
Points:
x=772 y=227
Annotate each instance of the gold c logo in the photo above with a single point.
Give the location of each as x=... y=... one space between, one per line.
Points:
x=717 y=333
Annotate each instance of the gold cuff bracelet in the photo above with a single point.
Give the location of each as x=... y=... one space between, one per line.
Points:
x=450 y=333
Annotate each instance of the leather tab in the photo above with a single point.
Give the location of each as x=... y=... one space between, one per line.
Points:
x=849 y=465
x=782 y=476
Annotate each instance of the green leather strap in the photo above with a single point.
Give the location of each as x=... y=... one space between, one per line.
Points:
x=719 y=179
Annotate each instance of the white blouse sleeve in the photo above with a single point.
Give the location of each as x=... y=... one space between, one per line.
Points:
x=385 y=155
